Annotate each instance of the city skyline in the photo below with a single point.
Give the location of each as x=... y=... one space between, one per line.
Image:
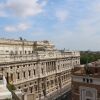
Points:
x=70 y=24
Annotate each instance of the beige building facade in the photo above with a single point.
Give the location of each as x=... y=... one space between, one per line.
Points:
x=36 y=67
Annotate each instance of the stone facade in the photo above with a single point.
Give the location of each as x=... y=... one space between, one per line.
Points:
x=36 y=67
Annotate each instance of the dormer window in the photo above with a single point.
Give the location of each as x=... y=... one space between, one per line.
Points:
x=87 y=80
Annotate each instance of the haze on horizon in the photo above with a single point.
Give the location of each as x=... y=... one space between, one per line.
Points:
x=70 y=24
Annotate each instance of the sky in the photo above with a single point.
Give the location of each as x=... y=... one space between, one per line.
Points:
x=69 y=24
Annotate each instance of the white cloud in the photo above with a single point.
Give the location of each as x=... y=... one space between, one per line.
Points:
x=62 y=15
x=86 y=32
x=16 y=28
x=96 y=7
x=23 y=26
x=44 y=3
x=90 y=24
x=10 y=29
x=3 y=14
x=23 y=8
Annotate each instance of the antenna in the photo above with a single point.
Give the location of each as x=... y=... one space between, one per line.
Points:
x=21 y=38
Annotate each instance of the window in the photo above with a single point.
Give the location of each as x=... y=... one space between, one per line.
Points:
x=91 y=80
x=18 y=76
x=35 y=87
x=10 y=67
x=29 y=52
x=34 y=71
x=51 y=82
x=7 y=51
x=1 y=77
x=16 y=52
x=87 y=80
x=55 y=81
x=58 y=67
x=42 y=85
x=11 y=77
x=47 y=83
x=19 y=87
x=62 y=78
x=17 y=66
x=42 y=70
x=25 y=90
x=25 y=51
x=83 y=79
x=20 y=52
x=31 y=89
x=24 y=74
x=29 y=73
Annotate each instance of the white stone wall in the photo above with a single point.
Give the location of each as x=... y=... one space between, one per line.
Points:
x=30 y=71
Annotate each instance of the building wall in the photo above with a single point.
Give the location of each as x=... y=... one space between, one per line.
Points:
x=79 y=84
x=37 y=72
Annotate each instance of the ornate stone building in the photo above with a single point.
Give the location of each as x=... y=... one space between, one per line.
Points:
x=36 y=68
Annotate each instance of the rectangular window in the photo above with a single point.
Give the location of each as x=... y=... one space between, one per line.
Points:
x=35 y=87
x=25 y=52
x=20 y=52
x=24 y=74
x=42 y=70
x=16 y=52
x=83 y=79
x=18 y=76
x=10 y=67
x=29 y=73
x=34 y=71
x=25 y=90
x=11 y=77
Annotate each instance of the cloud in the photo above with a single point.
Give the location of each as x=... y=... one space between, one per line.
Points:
x=84 y=33
x=22 y=8
x=62 y=15
x=90 y=24
x=3 y=14
x=96 y=7
x=10 y=29
x=16 y=28
x=23 y=26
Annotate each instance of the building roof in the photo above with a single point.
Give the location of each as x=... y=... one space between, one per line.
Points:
x=93 y=70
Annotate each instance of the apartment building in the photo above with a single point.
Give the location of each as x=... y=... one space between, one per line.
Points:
x=86 y=82
x=37 y=68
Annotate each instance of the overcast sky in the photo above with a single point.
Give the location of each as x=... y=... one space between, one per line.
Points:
x=70 y=24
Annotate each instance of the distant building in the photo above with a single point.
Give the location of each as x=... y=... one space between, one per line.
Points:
x=86 y=82
x=37 y=68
